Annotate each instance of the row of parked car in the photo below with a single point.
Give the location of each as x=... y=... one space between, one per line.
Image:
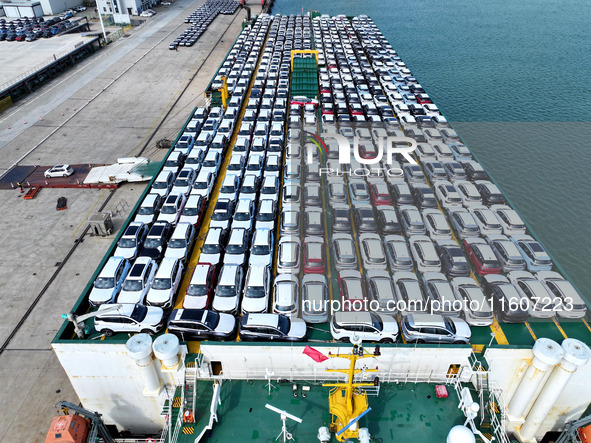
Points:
x=399 y=234
x=30 y=29
x=200 y=20
x=473 y=204
x=198 y=155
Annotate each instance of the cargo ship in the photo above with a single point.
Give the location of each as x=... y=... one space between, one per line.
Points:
x=270 y=285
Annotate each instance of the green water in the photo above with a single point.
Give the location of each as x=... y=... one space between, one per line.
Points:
x=513 y=77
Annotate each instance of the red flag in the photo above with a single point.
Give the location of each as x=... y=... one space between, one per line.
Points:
x=314 y=354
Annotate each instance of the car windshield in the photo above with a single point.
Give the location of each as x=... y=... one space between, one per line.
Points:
x=168 y=209
x=153 y=243
x=260 y=249
x=177 y=243
x=160 y=185
x=127 y=243
x=146 y=210
x=197 y=290
x=200 y=185
x=220 y=215
x=104 y=283
x=139 y=313
x=162 y=283
x=132 y=285
x=190 y=211
x=226 y=291
x=242 y=216
x=255 y=292
x=211 y=248
x=183 y=183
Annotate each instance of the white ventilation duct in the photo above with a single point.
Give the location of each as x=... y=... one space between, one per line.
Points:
x=166 y=349
x=576 y=353
x=547 y=354
x=139 y=348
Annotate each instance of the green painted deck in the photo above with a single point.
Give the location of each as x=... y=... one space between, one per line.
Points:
x=401 y=413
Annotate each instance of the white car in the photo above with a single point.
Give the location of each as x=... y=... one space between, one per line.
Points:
x=424 y=254
x=59 y=171
x=148 y=13
x=487 y=220
x=138 y=281
x=541 y=303
x=256 y=289
x=132 y=240
x=366 y=326
x=261 y=252
x=165 y=283
x=128 y=317
x=286 y=295
x=181 y=242
x=476 y=308
x=107 y=285
x=509 y=219
x=571 y=303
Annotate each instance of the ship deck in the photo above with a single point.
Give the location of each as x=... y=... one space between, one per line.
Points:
x=400 y=413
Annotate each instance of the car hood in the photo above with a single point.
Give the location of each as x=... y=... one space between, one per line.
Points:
x=227 y=324
x=462 y=328
x=225 y=303
x=125 y=252
x=298 y=328
x=98 y=296
x=130 y=297
x=191 y=302
x=250 y=304
x=234 y=259
x=158 y=295
x=154 y=315
x=175 y=252
x=214 y=259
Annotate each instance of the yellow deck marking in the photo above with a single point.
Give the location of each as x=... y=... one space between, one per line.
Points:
x=586 y=324
x=559 y=328
x=530 y=330
x=478 y=348
x=500 y=336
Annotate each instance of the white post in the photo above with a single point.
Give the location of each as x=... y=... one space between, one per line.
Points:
x=547 y=353
x=98 y=8
x=576 y=353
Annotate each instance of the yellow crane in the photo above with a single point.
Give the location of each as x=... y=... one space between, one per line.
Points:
x=346 y=401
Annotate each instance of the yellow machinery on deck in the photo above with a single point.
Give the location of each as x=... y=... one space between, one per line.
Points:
x=347 y=402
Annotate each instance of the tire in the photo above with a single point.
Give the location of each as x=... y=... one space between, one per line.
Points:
x=108 y=332
x=65 y=175
x=344 y=340
x=386 y=340
x=147 y=331
x=420 y=341
x=458 y=342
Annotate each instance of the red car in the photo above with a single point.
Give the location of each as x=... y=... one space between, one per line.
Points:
x=314 y=255
x=482 y=256
x=380 y=195
x=351 y=291
x=200 y=290
x=423 y=99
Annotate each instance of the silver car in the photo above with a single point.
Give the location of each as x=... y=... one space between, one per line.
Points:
x=476 y=308
x=344 y=252
x=541 y=303
x=314 y=298
x=399 y=257
x=506 y=252
x=424 y=254
x=433 y=328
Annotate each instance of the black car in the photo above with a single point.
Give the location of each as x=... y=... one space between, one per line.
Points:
x=387 y=221
x=202 y=324
x=508 y=304
x=365 y=220
x=453 y=261
x=156 y=241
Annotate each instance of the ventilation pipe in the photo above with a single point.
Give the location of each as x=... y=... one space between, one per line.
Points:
x=460 y=434
x=576 y=353
x=547 y=354
x=166 y=349
x=139 y=348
